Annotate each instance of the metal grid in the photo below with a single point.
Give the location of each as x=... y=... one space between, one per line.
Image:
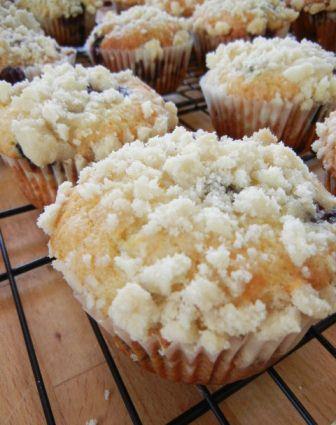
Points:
x=188 y=99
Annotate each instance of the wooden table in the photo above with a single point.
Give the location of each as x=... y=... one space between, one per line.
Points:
x=75 y=372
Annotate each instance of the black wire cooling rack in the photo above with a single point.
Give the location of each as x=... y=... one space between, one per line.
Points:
x=188 y=99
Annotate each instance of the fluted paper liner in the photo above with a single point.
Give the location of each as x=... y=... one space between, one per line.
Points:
x=237 y=117
x=246 y=356
x=40 y=184
x=320 y=28
x=163 y=73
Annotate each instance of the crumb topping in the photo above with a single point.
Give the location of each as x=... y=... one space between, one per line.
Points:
x=11 y=18
x=24 y=47
x=76 y=111
x=176 y=7
x=274 y=70
x=141 y=26
x=241 y=18
x=313 y=6
x=52 y=9
x=325 y=146
x=198 y=240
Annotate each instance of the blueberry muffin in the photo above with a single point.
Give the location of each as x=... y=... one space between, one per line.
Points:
x=282 y=84
x=68 y=21
x=154 y=44
x=121 y=5
x=325 y=147
x=24 y=49
x=316 y=21
x=222 y=21
x=69 y=117
x=207 y=260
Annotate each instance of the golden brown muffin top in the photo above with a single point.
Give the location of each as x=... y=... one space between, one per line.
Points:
x=76 y=111
x=141 y=27
x=242 y=18
x=198 y=240
x=274 y=70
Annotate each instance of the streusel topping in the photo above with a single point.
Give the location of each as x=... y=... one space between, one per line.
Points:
x=198 y=240
x=244 y=17
x=274 y=69
x=141 y=27
x=11 y=18
x=51 y=9
x=176 y=7
x=325 y=146
x=79 y=111
x=313 y=6
x=22 y=46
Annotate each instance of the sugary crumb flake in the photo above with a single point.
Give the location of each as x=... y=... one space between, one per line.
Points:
x=245 y=246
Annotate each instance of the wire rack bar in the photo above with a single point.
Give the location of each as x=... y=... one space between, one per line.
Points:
x=27 y=337
x=16 y=271
x=326 y=344
x=14 y=211
x=115 y=373
x=213 y=405
x=291 y=397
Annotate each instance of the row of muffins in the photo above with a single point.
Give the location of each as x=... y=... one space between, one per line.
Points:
x=70 y=22
x=207 y=259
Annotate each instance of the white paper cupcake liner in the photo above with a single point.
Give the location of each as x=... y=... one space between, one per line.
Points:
x=238 y=117
x=163 y=73
x=204 y=43
x=246 y=356
x=320 y=28
x=40 y=184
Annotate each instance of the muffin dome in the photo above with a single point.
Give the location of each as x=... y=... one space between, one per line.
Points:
x=79 y=112
x=313 y=6
x=241 y=19
x=177 y=7
x=274 y=70
x=325 y=147
x=196 y=241
x=140 y=26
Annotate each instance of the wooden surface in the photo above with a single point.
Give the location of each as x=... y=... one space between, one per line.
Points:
x=76 y=374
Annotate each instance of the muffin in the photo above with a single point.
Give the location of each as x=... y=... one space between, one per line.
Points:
x=68 y=21
x=207 y=260
x=325 y=147
x=24 y=49
x=316 y=22
x=154 y=44
x=177 y=8
x=69 y=117
x=222 y=21
x=282 y=84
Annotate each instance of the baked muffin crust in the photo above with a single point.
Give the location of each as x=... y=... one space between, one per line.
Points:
x=177 y=7
x=141 y=26
x=197 y=240
x=313 y=6
x=241 y=18
x=86 y=112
